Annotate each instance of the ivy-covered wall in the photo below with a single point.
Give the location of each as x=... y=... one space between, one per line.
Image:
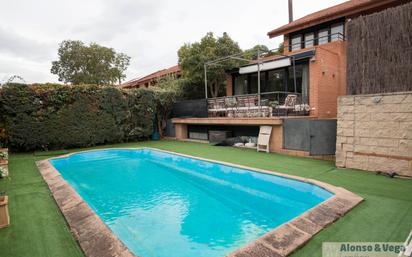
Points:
x=44 y=117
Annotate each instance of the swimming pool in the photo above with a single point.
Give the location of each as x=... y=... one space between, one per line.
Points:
x=161 y=204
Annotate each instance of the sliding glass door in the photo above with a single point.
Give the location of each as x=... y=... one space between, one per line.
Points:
x=278 y=80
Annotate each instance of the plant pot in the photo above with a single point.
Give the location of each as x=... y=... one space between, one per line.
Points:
x=4 y=154
x=4 y=211
x=4 y=168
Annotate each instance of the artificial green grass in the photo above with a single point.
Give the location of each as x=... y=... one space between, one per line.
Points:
x=38 y=228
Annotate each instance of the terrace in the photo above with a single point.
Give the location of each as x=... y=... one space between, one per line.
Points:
x=271 y=90
x=273 y=85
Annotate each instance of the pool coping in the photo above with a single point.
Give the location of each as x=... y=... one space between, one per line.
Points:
x=97 y=240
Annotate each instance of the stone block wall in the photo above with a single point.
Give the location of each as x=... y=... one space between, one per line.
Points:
x=374 y=132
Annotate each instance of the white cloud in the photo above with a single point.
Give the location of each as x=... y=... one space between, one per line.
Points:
x=23 y=47
x=149 y=31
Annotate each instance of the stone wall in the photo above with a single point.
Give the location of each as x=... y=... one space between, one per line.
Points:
x=374 y=132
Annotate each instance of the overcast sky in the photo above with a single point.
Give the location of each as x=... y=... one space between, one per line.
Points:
x=150 y=31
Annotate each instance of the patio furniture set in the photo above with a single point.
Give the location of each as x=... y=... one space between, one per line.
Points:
x=246 y=106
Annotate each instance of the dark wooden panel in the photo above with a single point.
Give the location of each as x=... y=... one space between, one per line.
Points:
x=296 y=134
x=322 y=137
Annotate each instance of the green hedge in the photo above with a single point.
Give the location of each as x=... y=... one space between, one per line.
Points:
x=56 y=116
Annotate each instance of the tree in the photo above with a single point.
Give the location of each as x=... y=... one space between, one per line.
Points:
x=167 y=91
x=93 y=64
x=280 y=49
x=192 y=58
x=251 y=54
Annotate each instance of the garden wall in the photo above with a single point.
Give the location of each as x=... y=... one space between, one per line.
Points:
x=56 y=116
x=374 y=132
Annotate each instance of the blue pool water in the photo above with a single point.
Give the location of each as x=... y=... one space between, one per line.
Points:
x=166 y=205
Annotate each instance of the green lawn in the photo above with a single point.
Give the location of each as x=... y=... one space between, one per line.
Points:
x=38 y=229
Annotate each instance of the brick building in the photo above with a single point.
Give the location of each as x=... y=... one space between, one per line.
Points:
x=312 y=66
x=150 y=80
x=317 y=43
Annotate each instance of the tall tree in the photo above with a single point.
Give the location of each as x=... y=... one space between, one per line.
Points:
x=251 y=54
x=192 y=58
x=93 y=64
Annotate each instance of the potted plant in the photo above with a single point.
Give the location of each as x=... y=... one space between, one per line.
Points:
x=4 y=156
x=4 y=171
x=4 y=210
x=274 y=105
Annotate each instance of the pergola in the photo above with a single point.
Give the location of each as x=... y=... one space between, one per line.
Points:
x=258 y=66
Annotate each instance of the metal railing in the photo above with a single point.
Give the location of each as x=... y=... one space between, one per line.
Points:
x=272 y=104
x=332 y=37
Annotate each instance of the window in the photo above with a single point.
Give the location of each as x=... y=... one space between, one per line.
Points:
x=254 y=82
x=302 y=80
x=309 y=40
x=241 y=85
x=336 y=32
x=276 y=80
x=296 y=42
x=323 y=36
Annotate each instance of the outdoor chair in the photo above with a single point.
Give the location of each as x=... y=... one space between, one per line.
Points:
x=211 y=107
x=264 y=108
x=216 y=107
x=250 y=103
x=289 y=105
x=241 y=106
x=231 y=106
x=264 y=138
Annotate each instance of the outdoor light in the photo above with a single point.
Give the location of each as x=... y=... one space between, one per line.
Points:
x=376 y=99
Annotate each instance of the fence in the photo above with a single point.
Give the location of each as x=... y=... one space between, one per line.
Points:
x=190 y=109
x=380 y=52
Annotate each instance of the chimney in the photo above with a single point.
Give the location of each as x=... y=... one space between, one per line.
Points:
x=290 y=11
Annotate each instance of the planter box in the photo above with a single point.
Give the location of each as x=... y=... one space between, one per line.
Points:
x=4 y=212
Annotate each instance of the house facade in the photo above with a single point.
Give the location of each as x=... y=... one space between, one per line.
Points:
x=312 y=68
x=151 y=79
x=317 y=43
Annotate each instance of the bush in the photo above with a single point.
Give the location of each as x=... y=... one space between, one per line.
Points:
x=58 y=116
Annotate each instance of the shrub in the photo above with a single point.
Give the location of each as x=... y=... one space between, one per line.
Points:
x=59 y=116
x=168 y=90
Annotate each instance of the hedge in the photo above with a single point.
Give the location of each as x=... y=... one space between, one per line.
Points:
x=56 y=116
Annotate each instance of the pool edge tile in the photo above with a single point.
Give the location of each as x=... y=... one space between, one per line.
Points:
x=92 y=234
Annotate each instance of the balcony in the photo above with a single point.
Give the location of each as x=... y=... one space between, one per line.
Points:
x=300 y=42
x=270 y=104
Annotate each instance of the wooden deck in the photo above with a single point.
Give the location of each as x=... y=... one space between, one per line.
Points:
x=229 y=121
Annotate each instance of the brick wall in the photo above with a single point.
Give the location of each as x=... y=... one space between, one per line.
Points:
x=375 y=132
x=229 y=85
x=327 y=75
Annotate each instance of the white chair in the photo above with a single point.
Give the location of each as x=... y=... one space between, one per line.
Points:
x=264 y=139
x=408 y=247
x=289 y=105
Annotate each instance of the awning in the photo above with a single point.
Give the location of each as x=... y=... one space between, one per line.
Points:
x=304 y=55
x=265 y=66
x=275 y=64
